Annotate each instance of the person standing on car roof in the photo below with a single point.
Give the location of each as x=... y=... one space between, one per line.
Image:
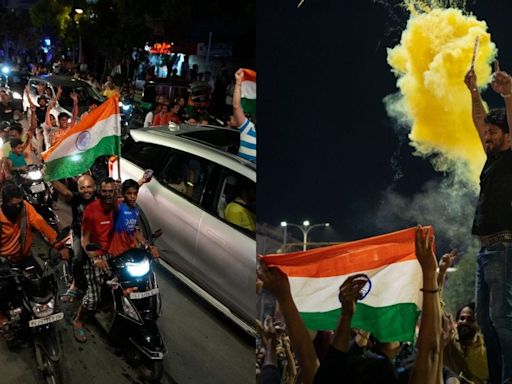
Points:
x=62 y=118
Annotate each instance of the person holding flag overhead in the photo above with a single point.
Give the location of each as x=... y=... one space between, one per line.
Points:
x=98 y=134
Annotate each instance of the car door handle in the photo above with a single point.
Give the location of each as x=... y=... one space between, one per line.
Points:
x=216 y=237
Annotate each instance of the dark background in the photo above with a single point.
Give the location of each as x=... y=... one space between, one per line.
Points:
x=327 y=150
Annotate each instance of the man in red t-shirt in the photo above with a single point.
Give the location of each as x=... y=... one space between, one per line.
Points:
x=97 y=227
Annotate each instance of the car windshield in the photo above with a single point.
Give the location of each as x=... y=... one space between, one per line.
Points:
x=84 y=94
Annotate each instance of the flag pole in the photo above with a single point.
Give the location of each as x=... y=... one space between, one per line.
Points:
x=118 y=141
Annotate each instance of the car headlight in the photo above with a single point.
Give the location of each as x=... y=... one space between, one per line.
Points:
x=138 y=269
x=16 y=95
x=43 y=310
x=35 y=175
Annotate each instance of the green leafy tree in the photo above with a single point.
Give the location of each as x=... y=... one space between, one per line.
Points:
x=52 y=16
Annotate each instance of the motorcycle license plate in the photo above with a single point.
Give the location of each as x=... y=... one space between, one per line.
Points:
x=36 y=188
x=143 y=295
x=46 y=320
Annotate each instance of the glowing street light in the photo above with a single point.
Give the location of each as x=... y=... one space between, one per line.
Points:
x=305 y=228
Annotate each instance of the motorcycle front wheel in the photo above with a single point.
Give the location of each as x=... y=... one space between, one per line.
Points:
x=153 y=371
x=50 y=369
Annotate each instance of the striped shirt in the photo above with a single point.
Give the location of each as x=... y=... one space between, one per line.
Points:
x=247 y=148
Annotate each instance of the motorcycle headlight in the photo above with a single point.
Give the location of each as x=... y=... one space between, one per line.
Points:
x=35 y=175
x=129 y=310
x=43 y=310
x=16 y=95
x=126 y=107
x=138 y=269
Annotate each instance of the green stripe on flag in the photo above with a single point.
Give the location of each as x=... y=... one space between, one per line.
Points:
x=392 y=323
x=79 y=162
x=248 y=105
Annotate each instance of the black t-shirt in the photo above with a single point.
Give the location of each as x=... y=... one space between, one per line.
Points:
x=6 y=111
x=355 y=368
x=494 y=210
x=78 y=204
x=41 y=114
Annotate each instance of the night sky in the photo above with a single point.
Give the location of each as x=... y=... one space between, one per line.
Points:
x=327 y=151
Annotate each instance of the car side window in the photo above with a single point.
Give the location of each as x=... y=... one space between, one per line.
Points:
x=144 y=155
x=186 y=175
x=235 y=201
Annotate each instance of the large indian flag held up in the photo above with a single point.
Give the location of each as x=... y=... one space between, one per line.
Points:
x=248 y=92
x=97 y=134
x=391 y=308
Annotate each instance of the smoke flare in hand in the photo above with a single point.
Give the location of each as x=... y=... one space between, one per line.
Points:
x=434 y=54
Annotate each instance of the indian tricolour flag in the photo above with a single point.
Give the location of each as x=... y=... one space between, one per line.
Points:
x=392 y=306
x=97 y=134
x=248 y=92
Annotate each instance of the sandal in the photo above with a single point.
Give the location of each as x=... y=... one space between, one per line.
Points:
x=70 y=295
x=79 y=333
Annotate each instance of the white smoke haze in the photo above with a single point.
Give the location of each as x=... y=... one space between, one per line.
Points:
x=447 y=204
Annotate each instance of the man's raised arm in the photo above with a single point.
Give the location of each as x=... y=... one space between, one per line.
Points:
x=502 y=84
x=238 y=112
x=478 y=111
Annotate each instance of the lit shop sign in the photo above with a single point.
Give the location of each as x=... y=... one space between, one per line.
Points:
x=161 y=48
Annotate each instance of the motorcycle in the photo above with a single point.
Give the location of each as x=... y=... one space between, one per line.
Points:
x=131 y=308
x=38 y=192
x=33 y=314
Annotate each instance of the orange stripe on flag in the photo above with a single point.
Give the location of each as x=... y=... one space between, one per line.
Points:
x=108 y=108
x=348 y=258
x=249 y=75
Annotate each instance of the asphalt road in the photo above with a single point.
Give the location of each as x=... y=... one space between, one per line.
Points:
x=203 y=346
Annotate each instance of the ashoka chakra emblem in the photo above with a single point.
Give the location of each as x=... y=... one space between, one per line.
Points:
x=83 y=139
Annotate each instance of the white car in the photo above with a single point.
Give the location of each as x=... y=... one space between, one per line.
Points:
x=195 y=177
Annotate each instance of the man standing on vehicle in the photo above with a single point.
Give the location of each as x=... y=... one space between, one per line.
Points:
x=493 y=226
x=98 y=228
x=247 y=129
x=17 y=218
x=62 y=118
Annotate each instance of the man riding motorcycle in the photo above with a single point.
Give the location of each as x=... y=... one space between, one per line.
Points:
x=17 y=217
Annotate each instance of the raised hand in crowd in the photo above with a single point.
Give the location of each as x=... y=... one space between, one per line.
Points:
x=501 y=81
x=429 y=361
x=348 y=296
x=276 y=282
x=445 y=262
x=269 y=338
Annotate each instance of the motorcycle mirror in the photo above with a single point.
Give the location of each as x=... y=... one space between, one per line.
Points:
x=157 y=234
x=91 y=247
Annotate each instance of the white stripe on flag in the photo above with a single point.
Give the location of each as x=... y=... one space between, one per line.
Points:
x=103 y=128
x=248 y=89
x=394 y=284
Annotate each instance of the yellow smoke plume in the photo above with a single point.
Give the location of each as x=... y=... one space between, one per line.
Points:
x=434 y=54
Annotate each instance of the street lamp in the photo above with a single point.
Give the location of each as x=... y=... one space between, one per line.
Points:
x=79 y=12
x=306 y=227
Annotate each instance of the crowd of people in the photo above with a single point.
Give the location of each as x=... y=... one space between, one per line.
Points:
x=471 y=346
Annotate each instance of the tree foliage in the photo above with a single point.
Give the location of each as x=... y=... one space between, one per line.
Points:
x=52 y=16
